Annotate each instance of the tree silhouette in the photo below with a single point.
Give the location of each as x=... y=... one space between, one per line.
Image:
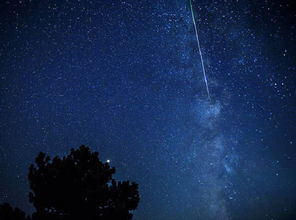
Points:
x=8 y=213
x=79 y=186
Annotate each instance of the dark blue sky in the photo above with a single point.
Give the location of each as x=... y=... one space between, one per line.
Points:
x=125 y=78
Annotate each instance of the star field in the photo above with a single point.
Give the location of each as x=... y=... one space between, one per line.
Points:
x=125 y=78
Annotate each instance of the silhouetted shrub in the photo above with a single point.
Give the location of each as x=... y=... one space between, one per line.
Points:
x=78 y=186
x=9 y=213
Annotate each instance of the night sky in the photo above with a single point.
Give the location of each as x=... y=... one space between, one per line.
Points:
x=124 y=77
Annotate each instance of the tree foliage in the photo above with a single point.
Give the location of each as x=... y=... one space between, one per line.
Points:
x=9 y=213
x=79 y=186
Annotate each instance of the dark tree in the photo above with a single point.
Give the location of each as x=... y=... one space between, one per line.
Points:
x=77 y=186
x=8 y=213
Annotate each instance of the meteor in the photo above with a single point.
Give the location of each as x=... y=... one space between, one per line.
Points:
x=199 y=48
